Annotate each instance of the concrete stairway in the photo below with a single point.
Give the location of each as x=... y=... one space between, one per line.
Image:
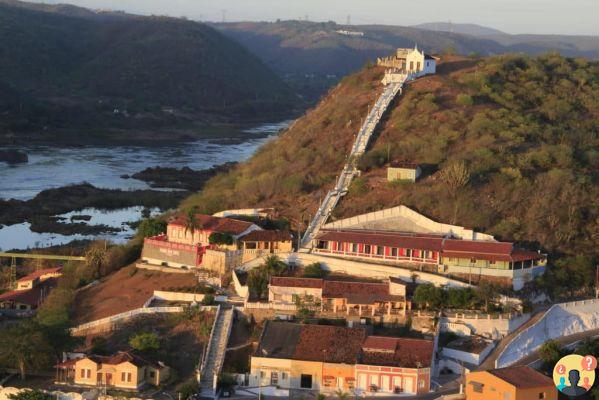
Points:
x=350 y=170
x=212 y=362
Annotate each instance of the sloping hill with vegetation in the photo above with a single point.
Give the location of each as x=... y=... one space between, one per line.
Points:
x=74 y=68
x=509 y=146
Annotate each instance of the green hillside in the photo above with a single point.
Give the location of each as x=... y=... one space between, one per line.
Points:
x=509 y=145
x=73 y=67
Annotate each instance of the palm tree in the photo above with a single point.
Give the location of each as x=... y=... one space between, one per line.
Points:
x=341 y=395
x=191 y=222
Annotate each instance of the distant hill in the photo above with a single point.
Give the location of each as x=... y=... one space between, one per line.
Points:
x=466 y=29
x=524 y=128
x=312 y=55
x=64 y=68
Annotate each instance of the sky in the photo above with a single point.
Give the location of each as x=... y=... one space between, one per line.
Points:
x=574 y=17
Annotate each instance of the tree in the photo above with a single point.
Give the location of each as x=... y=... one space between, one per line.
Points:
x=274 y=266
x=145 y=342
x=191 y=222
x=430 y=296
x=487 y=293
x=151 y=227
x=25 y=347
x=29 y=394
x=96 y=257
x=455 y=176
x=188 y=389
x=550 y=352
x=220 y=238
x=226 y=381
x=208 y=300
x=315 y=270
x=341 y=395
x=258 y=282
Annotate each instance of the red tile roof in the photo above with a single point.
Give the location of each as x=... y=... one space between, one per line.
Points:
x=402 y=164
x=288 y=281
x=337 y=289
x=339 y=344
x=31 y=297
x=389 y=239
x=522 y=377
x=457 y=248
x=123 y=357
x=397 y=352
x=332 y=344
x=215 y=224
x=493 y=251
x=267 y=236
x=39 y=273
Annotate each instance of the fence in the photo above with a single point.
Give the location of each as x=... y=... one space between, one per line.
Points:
x=124 y=316
x=560 y=320
x=269 y=306
x=183 y=297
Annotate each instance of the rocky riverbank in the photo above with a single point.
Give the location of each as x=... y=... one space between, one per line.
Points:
x=41 y=211
x=184 y=178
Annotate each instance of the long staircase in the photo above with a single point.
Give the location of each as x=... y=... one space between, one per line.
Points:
x=350 y=169
x=212 y=363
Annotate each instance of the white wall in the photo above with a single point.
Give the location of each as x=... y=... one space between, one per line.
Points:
x=184 y=297
x=426 y=224
x=494 y=328
x=560 y=320
x=470 y=358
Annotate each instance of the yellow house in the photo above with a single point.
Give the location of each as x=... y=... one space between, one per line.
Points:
x=512 y=383
x=123 y=370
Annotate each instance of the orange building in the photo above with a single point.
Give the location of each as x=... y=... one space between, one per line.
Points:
x=511 y=383
x=330 y=358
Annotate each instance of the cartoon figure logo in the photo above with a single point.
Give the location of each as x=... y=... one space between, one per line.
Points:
x=574 y=375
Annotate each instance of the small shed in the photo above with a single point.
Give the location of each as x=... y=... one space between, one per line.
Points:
x=409 y=172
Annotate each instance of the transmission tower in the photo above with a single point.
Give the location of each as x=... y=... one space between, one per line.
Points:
x=348 y=22
x=224 y=14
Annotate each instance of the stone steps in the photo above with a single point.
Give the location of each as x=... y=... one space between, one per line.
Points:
x=216 y=350
x=349 y=170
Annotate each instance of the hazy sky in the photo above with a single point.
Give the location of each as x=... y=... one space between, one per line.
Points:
x=514 y=16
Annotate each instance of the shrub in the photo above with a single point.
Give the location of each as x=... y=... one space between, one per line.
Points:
x=151 y=227
x=145 y=342
x=208 y=300
x=29 y=394
x=220 y=238
x=464 y=99
x=315 y=270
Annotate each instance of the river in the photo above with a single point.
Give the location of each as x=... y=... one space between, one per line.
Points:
x=52 y=167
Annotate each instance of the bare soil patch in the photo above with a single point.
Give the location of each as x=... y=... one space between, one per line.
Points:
x=124 y=290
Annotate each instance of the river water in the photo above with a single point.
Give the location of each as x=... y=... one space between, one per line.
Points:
x=52 y=167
